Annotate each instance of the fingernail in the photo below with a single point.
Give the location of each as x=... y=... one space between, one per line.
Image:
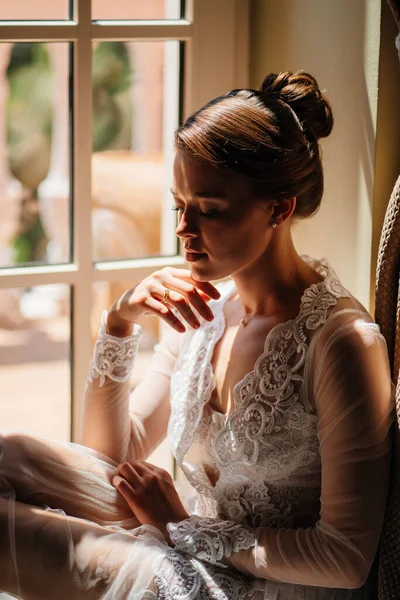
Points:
x=116 y=480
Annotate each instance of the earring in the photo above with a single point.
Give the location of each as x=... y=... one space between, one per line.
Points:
x=274 y=225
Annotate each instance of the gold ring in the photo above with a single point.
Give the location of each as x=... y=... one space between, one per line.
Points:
x=166 y=294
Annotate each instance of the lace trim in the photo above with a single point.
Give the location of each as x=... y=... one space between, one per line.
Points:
x=210 y=540
x=186 y=578
x=113 y=357
x=195 y=382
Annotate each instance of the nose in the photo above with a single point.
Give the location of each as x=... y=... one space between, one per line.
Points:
x=187 y=226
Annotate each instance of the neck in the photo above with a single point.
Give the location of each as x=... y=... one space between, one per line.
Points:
x=276 y=281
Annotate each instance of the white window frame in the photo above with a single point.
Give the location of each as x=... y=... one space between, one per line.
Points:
x=216 y=60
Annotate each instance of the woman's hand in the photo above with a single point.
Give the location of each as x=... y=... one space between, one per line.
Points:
x=148 y=297
x=151 y=495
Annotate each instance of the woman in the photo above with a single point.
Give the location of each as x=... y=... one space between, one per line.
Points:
x=274 y=387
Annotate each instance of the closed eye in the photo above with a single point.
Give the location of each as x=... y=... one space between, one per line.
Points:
x=209 y=214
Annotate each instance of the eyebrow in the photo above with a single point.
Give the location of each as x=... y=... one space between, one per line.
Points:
x=216 y=195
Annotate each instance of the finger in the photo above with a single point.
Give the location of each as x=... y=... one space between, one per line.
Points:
x=192 y=299
x=158 y=470
x=144 y=468
x=135 y=471
x=161 y=310
x=205 y=286
x=178 y=301
x=204 y=296
x=126 y=490
x=140 y=467
x=149 y=478
x=128 y=472
x=150 y=466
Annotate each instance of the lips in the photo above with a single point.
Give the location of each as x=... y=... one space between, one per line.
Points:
x=192 y=251
x=193 y=256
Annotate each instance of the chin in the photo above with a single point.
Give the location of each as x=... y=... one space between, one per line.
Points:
x=204 y=273
x=201 y=274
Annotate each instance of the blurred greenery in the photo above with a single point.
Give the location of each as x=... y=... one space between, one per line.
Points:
x=29 y=121
x=22 y=249
x=30 y=245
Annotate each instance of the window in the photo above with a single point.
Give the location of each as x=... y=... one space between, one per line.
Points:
x=87 y=113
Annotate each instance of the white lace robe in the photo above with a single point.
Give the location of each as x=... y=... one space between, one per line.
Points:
x=286 y=493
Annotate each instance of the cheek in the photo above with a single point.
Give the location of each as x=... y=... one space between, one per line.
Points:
x=248 y=238
x=237 y=238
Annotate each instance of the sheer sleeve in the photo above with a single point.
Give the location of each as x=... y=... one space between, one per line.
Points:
x=348 y=379
x=118 y=424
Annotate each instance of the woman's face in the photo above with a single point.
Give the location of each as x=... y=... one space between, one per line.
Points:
x=223 y=229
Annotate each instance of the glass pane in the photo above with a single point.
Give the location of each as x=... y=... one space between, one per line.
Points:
x=34 y=360
x=136 y=108
x=104 y=295
x=37 y=10
x=136 y=9
x=34 y=153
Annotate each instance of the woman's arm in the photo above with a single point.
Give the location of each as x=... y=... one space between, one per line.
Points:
x=108 y=426
x=115 y=423
x=353 y=394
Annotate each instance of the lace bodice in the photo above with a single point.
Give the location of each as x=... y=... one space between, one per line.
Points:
x=265 y=453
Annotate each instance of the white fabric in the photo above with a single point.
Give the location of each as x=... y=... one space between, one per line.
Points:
x=113 y=357
x=287 y=491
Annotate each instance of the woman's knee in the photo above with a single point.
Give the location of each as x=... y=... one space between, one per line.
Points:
x=15 y=458
x=13 y=446
x=13 y=440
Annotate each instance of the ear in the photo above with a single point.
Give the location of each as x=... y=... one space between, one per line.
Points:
x=282 y=210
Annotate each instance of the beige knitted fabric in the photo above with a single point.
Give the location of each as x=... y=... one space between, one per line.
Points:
x=388 y=317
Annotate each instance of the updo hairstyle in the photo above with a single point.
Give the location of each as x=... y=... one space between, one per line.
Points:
x=268 y=136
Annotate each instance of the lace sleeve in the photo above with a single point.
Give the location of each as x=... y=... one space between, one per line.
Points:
x=120 y=424
x=349 y=379
x=210 y=540
x=113 y=357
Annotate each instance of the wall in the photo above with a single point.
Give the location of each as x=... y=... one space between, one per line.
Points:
x=340 y=44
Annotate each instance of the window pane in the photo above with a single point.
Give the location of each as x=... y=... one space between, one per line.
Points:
x=104 y=295
x=136 y=9
x=136 y=107
x=35 y=10
x=34 y=360
x=34 y=153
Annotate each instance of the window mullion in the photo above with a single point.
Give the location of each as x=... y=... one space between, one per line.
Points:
x=135 y=269
x=31 y=276
x=82 y=210
x=11 y=31
x=136 y=30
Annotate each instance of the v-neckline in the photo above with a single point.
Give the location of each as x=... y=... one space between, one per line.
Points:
x=224 y=417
